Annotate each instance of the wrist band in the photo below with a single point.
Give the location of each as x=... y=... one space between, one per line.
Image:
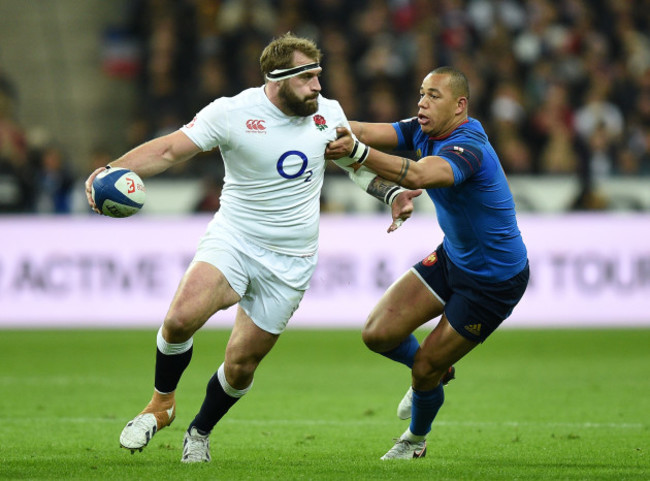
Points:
x=392 y=194
x=359 y=152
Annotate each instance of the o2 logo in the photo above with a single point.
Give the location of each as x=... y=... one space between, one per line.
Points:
x=301 y=170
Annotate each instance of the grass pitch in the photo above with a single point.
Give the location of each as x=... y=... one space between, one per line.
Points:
x=528 y=404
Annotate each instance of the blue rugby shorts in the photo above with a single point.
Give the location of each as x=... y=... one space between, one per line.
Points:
x=474 y=307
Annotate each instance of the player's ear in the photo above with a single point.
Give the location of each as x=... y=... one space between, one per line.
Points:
x=461 y=105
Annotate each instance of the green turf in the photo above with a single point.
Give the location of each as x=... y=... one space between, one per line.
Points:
x=528 y=405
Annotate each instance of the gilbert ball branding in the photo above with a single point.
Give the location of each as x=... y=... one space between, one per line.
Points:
x=118 y=192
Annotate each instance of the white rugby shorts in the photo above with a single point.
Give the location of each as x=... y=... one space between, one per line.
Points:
x=271 y=285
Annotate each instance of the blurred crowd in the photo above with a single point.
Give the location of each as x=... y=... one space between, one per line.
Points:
x=562 y=87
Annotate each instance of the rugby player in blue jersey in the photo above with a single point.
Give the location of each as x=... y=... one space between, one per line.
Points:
x=479 y=272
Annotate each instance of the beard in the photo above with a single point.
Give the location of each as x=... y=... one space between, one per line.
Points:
x=298 y=106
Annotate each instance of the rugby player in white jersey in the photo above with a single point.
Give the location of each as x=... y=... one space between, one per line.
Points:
x=260 y=249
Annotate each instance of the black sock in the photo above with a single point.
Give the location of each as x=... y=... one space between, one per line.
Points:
x=169 y=369
x=215 y=405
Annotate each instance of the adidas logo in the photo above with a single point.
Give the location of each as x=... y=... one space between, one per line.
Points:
x=474 y=329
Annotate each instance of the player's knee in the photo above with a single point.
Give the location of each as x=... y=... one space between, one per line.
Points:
x=240 y=373
x=178 y=328
x=376 y=337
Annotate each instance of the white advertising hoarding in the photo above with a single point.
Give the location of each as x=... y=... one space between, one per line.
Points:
x=586 y=269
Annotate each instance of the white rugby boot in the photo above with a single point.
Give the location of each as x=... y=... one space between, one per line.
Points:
x=404 y=449
x=196 y=447
x=159 y=413
x=404 y=407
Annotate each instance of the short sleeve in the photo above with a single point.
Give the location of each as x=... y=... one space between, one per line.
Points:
x=465 y=159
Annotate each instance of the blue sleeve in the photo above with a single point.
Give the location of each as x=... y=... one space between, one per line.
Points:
x=405 y=132
x=465 y=160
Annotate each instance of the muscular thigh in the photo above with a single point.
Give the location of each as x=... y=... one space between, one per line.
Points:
x=203 y=291
x=405 y=306
x=248 y=342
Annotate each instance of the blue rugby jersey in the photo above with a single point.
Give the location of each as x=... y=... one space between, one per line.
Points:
x=477 y=213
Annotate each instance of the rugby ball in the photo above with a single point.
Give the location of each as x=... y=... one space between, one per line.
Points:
x=118 y=192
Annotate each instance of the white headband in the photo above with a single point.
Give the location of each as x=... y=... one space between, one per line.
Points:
x=285 y=73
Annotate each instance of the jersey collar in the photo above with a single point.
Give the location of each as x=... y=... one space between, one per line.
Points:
x=442 y=137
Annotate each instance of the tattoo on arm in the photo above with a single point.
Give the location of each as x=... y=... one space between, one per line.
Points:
x=380 y=188
x=404 y=170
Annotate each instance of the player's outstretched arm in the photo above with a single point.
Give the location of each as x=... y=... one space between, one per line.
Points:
x=428 y=172
x=158 y=155
x=150 y=158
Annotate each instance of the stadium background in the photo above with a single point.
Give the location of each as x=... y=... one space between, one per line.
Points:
x=563 y=89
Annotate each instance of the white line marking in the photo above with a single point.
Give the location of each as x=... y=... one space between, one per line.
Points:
x=325 y=422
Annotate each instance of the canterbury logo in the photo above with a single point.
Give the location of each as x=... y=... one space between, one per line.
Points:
x=474 y=329
x=257 y=125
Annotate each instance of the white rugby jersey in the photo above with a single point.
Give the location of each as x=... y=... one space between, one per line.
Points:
x=274 y=166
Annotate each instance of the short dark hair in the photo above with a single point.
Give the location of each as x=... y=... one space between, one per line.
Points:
x=457 y=80
x=279 y=53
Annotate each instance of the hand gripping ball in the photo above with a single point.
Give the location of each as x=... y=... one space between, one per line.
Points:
x=118 y=192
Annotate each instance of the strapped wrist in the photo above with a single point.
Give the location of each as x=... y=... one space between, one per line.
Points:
x=392 y=194
x=359 y=152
